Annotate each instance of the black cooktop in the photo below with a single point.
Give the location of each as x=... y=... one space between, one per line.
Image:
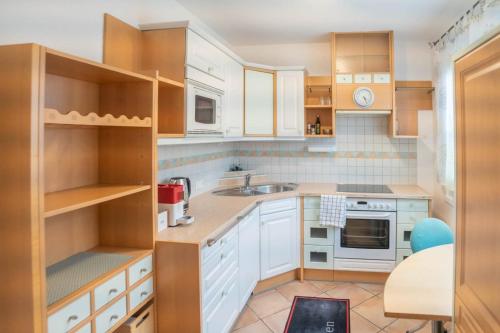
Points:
x=363 y=188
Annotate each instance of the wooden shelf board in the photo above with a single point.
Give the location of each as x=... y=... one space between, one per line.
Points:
x=397 y=136
x=133 y=254
x=318 y=106
x=164 y=82
x=62 y=64
x=74 y=118
x=68 y=200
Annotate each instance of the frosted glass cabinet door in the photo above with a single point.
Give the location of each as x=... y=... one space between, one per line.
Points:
x=259 y=103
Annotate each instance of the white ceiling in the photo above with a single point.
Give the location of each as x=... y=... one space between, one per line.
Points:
x=251 y=22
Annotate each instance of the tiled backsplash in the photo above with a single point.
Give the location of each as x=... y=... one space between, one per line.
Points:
x=204 y=164
x=364 y=154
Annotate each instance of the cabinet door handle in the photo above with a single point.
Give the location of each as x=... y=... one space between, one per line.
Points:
x=72 y=318
x=211 y=242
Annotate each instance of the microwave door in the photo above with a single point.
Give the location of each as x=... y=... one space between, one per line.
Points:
x=205 y=110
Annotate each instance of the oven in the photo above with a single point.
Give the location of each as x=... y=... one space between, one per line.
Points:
x=370 y=230
x=204 y=109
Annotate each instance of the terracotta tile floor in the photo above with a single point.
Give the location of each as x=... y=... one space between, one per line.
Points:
x=268 y=312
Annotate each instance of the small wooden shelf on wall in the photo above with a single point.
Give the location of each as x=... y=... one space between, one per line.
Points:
x=319 y=101
x=156 y=53
x=410 y=97
x=61 y=202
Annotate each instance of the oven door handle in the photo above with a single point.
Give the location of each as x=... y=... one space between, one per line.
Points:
x=369 y=215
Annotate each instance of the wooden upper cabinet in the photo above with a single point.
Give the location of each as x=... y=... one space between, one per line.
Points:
x=363 y=60
x=477 y=298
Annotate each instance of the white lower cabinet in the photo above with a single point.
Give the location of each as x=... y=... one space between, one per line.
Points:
x=249 y=249
x=106 y=320
x=279 y=243
x=223 y=310
x=404 y=235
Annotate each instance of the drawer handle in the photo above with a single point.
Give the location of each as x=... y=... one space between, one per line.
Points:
x=211 y=242
x=144 y=293
x=72 y=318
x=222 y=256
x=113 y=318
x=223 y=294
x=112 y=291
x=143 y=270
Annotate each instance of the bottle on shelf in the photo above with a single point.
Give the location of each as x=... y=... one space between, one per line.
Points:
x=309 y=128
x=318 y=125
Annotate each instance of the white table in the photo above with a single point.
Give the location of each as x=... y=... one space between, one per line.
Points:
x=421 y=287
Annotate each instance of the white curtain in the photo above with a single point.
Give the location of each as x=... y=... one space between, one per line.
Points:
x=479 y=22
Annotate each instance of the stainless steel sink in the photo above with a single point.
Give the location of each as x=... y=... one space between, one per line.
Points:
x=247 y=191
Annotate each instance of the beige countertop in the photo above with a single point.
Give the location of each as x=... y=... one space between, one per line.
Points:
x=214 y=214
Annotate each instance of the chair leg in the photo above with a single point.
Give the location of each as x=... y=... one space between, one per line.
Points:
x=418 y=328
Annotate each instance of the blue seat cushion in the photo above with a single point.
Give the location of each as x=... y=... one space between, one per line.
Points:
x=428 y=233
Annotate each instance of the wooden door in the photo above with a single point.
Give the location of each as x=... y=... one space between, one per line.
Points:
x=477 y=84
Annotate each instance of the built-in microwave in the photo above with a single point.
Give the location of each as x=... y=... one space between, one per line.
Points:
x=204 y=109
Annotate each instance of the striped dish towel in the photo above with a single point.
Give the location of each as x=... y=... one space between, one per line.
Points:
x=332 y=211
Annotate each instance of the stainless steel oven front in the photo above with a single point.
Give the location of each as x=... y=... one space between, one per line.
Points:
x=370 y=230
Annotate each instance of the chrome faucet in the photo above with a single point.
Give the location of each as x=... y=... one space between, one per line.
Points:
x=248 y=177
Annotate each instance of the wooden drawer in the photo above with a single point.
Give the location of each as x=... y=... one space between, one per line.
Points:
x=70 y=315
x=318 y=257
x=411 y=217
x=402 y=254
x=140 y=269
x=140 y=293
x=142 y=323
x=109 y=290
x=316 y=234
x=215 y=248
x=85 y=329
x=111 y=316
x=311 y=214
x=312 y=202
x=403 y=236
x=269 y=207
x=413 y=205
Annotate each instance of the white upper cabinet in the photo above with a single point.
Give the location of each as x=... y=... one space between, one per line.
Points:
x=204 y=56
x=290 y=103
x=259 y=103
x=232 y=113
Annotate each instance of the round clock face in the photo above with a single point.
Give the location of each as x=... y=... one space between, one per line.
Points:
x=364 y=97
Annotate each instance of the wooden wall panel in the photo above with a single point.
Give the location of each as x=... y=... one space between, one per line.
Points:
x=22 y=281
x=122 y=44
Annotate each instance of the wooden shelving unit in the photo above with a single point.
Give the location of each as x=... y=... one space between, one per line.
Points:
x=151 y=53
x=319 y=101
x=81 y=158
x=410 y=97
x=368 y=53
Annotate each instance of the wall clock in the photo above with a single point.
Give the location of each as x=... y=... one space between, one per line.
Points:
x=364 y=97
